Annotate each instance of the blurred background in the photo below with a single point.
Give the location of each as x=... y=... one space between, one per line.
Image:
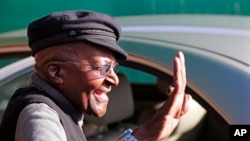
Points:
x=16 y=14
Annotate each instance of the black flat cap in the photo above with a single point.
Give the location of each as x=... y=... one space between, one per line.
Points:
x=70 y=26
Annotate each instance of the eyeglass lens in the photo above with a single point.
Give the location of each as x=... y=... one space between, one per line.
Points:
x=106 y=69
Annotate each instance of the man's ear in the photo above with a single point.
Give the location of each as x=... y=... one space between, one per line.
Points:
x=55 y=73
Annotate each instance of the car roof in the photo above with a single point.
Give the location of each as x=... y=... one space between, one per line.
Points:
x=226 y=36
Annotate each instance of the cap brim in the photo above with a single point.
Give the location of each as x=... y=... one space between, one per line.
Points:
x=119 y=53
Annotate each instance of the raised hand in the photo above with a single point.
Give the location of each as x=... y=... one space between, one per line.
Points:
x=167 y=117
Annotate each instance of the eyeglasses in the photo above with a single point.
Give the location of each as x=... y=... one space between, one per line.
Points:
x=104 y=69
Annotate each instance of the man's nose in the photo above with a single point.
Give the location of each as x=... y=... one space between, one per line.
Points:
x=112 y=77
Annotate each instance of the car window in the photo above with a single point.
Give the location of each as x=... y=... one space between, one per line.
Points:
x=138 y=76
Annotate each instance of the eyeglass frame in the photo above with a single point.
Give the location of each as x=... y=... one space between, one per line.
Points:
x=103 y=71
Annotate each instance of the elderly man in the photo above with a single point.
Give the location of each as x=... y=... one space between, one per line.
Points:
x=76 y=60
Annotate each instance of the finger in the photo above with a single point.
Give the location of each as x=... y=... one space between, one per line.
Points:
x=177 y=75
x=186 y=104
x=183 y=70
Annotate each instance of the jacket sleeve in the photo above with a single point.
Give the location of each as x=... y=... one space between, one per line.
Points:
x=39 y=122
